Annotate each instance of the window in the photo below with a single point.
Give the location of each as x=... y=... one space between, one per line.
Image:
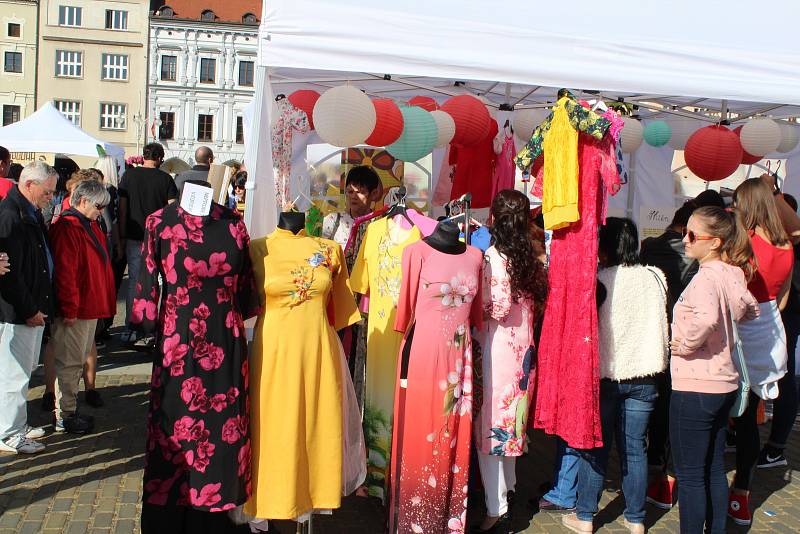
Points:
x=205 y=127
x=14 y=30
x=246 y=73
x=239 y=130
x=112 y=116
x=10 y=114
x=167 y=128
x=115 y=67
x=207 y=15
x=69 y=15
x=69 y=64
x=12 y=62
x=71 y=109
x=207 y=70
x=116 y=19
x=249 y=18
x=169 y=68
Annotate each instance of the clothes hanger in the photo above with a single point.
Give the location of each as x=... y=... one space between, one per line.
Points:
x=400 y=207
x=280 y=97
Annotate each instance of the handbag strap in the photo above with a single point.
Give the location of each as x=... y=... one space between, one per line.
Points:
x=660 y=283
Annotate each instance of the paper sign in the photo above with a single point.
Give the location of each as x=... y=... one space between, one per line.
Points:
x=196 y=199
x=653 y=221
x=217 y=175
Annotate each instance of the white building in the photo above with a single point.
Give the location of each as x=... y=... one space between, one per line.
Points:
x=201 y=77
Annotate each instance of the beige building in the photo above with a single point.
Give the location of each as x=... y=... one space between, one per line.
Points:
x=18 y=34
x=93 y=65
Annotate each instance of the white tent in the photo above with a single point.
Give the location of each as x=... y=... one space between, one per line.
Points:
x=47 y=130
x=661 y=58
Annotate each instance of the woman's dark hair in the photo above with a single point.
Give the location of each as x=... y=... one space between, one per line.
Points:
x=755 y=206
x=619 y=242
x=241 y=179
x=736 y=248
x=511 y=236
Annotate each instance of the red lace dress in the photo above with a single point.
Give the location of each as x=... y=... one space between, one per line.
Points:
x=567 y=394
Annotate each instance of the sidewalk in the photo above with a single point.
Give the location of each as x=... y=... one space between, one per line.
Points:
x=92 y=483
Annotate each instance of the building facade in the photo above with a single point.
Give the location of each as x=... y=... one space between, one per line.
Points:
x=92 y=65
x=201 y=76
x=18 y=41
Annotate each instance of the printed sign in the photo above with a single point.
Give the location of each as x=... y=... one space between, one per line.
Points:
x=654 y=220
x=196 y=199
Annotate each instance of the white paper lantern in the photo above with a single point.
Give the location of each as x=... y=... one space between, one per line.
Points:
x=760 y=136
x=445 y=126
x=789 y=137
x=344 y=116
x=525 y=121
x=682 y=130
x=631 y=135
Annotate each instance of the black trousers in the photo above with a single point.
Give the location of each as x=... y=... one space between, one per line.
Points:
x=185 y=520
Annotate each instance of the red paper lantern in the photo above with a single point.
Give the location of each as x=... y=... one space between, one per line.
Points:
x=471 y=117
x=388 y=123
x=305 y=99
x=425 y=102
x=747 y=158
x=713 y=153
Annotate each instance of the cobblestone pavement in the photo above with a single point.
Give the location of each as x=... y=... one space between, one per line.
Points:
x=93 y=483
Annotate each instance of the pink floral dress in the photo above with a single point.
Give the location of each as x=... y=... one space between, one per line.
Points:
x=290 y=119
x=198 y=428
x=507 y=375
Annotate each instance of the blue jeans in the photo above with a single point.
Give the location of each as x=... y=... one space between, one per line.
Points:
x=133 y=251
x=624 y=412
x=564 y=492
x=697 y=428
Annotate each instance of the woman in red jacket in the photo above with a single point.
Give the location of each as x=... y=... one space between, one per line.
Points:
x=84 y=284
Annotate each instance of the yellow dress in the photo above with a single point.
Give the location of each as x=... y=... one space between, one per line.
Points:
x=296 y=390
x=377 y=272
x=560 y=186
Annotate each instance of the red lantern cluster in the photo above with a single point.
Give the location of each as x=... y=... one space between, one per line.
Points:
x=471 y=117
x=388 y=123
x=305 y=99
x=425 y=102
x=713 y=153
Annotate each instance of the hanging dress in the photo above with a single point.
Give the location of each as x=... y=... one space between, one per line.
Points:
x=377 y=272
x=439 y=302
x=474 y=169
x=289 y=119
x=198 y=429
x=504 y=168
x=297 y=379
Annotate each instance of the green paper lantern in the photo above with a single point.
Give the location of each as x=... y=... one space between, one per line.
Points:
x=657 y=133
x=419 y=135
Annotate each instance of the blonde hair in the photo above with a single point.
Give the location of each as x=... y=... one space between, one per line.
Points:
x=108 y=167
x=81 y=175
x=755 y=206
x=736 y=248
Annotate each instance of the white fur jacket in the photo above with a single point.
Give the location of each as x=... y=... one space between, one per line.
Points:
x=632 y=321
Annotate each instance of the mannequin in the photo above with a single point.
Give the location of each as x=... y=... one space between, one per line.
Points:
x=294 y=221
x=445 y=238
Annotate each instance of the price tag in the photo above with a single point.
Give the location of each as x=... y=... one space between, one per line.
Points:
x=196 y=199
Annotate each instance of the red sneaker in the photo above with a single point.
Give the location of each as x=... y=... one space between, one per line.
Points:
x=661 y=493
x=739 y=509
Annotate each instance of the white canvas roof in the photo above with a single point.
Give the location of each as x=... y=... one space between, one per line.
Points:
x=47 y=130
x=662 y=57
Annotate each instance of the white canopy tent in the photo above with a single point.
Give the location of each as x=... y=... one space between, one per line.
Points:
x=668 y=61
x=47 y=130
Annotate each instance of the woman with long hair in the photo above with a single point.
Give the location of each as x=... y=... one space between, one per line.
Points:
x=514 y=290
x=764 y=339
x=704 y=377
x=633 y=339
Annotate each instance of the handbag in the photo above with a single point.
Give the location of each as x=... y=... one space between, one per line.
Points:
x=743 y=394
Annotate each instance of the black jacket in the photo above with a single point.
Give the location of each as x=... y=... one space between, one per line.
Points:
x=28 y=288
x=667 y=252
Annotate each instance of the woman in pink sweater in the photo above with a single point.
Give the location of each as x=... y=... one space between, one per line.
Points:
x=704 y=378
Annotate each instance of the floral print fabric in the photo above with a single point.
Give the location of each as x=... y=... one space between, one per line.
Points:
x=198 y=435
x=439 y=302
x=290 y=119
x=507 y=377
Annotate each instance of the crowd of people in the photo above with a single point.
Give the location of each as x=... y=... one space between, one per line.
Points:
x=696 y=328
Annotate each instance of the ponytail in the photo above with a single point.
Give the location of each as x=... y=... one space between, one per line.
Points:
x=736 y=248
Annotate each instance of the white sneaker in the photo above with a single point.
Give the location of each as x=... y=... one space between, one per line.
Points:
x=33 y=432
x=19 y=444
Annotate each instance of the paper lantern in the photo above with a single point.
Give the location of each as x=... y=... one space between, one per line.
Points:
x=525 y=121
x=657 y=133
x=713 y=153
x=747 y=158
x=789 y=137
x=388 y=123
x=682 y=129
x=305 y=99
x=445 y=127
x=760 y=136
x=418 y=137
x=471 y=117
x=425 y=102
x=631 y=135
x=344 y=116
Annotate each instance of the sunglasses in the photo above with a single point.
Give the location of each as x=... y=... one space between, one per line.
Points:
x=101 y=207
x=693 y=237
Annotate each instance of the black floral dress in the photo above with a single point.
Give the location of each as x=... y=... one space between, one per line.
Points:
x=198 y=438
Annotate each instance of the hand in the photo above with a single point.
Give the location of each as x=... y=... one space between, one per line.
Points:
x=769 y=179
x=36 y=320
x=5 y=265
x=69 y=321
x=675 y=347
